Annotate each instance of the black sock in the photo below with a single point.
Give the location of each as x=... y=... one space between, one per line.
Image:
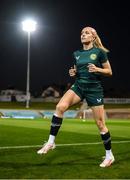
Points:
x=106 y=140
x=55 y=125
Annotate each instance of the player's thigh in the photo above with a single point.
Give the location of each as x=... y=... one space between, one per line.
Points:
x=70 y=98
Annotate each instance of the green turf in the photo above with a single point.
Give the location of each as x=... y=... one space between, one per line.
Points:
x=65 y=162
x=33 y=105
x=50 y=105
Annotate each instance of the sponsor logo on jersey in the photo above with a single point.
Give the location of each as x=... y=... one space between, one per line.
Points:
x=77 y=57
x=93 y=56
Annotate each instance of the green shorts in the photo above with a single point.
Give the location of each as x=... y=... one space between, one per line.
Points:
x=92 y=93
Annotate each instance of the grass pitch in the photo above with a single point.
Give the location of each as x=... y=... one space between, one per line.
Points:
x=20 y=139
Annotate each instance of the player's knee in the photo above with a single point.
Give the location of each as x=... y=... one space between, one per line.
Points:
x=61 y=107
x=100 y=124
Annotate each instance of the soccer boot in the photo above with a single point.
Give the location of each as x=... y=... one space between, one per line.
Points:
x=46 y=147
x=107 y=162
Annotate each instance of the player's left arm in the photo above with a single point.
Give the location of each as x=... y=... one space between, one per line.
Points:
x=105 y=70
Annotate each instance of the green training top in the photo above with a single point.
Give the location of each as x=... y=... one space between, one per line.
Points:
x=82 y=59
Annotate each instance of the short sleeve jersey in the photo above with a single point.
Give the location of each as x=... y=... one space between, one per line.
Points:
x=82 y=58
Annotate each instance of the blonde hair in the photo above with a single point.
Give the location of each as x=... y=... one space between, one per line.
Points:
x=98 y=44
x=97 y=41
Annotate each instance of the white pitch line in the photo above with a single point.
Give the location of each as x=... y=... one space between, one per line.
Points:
x=74 y=144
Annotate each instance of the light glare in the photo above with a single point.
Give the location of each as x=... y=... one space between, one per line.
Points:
x=29 y=25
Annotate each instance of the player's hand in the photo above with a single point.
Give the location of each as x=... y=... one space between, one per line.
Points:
x=92 y=68
x=72 y=71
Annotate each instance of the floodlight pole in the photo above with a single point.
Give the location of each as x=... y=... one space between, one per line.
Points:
x=28 y=73
x=28 y=26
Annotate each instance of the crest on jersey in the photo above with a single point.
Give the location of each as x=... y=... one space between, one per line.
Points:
x=93 y=56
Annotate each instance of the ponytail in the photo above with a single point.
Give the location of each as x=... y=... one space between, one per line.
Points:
x=98 y=44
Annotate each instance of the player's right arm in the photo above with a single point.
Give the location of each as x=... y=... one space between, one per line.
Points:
x=72 y=71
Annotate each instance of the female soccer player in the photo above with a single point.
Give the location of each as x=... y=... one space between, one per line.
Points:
x=90 y=64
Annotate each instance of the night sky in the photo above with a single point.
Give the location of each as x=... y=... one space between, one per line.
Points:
x=59 y=23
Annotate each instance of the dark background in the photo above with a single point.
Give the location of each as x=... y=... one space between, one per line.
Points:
x=59 y=23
